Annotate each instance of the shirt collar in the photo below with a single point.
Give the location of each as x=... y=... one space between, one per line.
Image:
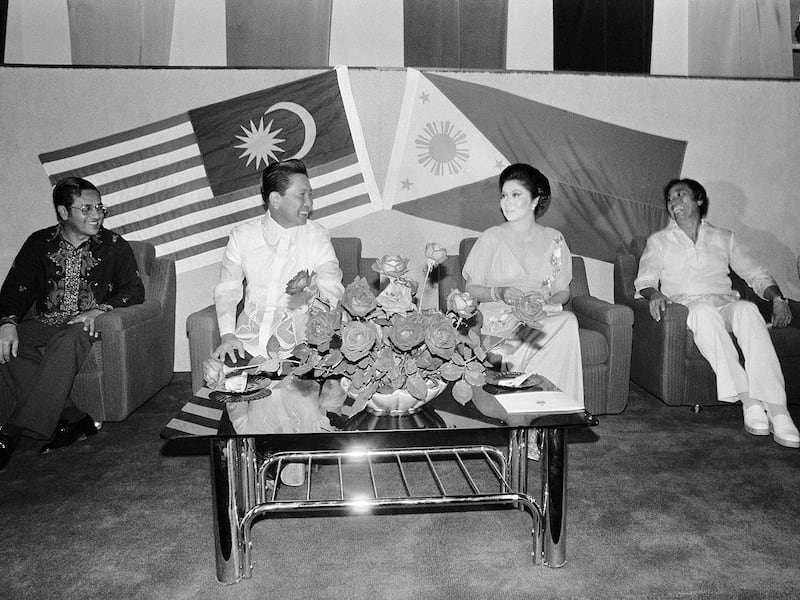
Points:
x=274 y=232
x=56 y=237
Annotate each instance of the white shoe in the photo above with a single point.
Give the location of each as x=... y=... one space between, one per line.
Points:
x=755 y=420
x=293 y=474
x=783 y=430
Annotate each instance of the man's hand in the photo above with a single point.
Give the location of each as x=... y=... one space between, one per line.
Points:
x=9 y=342
x=781 y=313
x=87 y=318
x=229 y=347
x=657 y=302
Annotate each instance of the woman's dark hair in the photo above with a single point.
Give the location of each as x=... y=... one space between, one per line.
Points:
x=532 y=180
x=698 y=191
x=277 y=176
x=67 y=189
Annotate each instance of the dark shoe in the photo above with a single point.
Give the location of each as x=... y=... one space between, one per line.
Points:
x=7 y=443
x=69 y=433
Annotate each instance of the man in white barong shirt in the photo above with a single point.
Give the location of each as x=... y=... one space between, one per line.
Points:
x=688 y=262
x=267 y=253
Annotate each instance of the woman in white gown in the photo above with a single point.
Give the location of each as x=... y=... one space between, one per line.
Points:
x=520 y=259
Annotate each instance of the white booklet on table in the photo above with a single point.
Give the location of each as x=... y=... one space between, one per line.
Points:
x=539 y=402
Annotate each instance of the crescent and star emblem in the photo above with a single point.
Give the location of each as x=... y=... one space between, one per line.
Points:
x=260 y=143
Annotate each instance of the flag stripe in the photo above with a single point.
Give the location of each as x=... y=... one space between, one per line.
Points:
x=106 y=169
x=171 y=198
x=116 y=143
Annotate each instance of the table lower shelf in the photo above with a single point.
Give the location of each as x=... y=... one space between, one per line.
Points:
x=372 y=480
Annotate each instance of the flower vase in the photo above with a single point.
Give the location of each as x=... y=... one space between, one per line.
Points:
x=400 y=403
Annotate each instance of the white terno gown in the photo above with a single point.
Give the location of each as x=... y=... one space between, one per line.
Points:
x=544 y=265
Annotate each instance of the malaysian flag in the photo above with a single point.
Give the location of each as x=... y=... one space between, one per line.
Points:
x=184 y=182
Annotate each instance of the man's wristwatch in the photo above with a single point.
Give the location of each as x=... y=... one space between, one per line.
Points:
x=9 y=319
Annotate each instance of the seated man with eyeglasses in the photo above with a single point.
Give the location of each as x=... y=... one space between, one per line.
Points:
x=68 y=274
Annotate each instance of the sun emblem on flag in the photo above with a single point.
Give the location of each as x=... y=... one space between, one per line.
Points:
x=441 y=147
x=259 y=143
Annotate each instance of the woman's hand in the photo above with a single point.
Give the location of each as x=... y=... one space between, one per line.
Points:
x=510 y=295
x=230 y=347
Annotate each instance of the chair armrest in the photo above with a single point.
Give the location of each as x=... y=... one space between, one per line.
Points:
x=124 y=317
x=615 y=323
x=658 y=361
x=203 y=332
x=592 y=311
x=204 y=319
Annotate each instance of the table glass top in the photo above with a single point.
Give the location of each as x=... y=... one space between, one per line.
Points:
x=205 y=416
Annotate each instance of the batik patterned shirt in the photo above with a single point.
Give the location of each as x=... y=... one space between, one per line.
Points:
x=60 y=281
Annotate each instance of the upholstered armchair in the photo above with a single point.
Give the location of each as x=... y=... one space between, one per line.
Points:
x=604 y=333
x=665 y=360
x=134 y=357
x=202 y=328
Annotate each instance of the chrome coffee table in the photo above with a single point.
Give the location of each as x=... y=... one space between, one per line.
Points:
x=443 y=441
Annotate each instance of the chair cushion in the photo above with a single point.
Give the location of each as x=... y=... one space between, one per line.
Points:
x=594 y=347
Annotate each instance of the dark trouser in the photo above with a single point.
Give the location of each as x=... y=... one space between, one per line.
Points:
x=35 y=386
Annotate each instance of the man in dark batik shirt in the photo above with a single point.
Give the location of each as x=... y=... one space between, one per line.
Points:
x=62 y=279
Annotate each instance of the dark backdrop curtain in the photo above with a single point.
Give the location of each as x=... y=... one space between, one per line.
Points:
x=278 y=33
x=612 y=36
x=466 y=34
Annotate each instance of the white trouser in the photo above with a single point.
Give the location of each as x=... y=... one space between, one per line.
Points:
x=761 y=376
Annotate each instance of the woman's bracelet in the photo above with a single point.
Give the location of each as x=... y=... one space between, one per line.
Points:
x=494 y=295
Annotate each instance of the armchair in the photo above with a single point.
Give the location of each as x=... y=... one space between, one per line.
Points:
x=665 y=360
x=202 y=328
x=135 y=354
x=604 y=333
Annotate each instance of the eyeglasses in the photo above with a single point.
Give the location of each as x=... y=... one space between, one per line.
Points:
x=86 y=209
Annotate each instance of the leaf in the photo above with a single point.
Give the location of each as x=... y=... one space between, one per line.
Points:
x=457 y=359
x=416 y=387
x=462 y=392
x=303 y=369
x=480 y=353
x=367 y=392
x=474 y=338
x=476 y=378
x=333 y=358
x=273 y=345
x=451 y=372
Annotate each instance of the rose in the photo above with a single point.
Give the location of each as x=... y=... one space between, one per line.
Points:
x=440 y=336
x=213 y=373
x=391 y=265
x=321 y=326
x=358 y=298
x=530 y=309
x=406 y=334
x=461 y=303
x=435 y=253
x=396 y=297
x=357 y=340
x=301 y=281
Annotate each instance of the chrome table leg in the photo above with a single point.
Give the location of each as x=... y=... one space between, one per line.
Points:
x=233 y=481
x=554 y=495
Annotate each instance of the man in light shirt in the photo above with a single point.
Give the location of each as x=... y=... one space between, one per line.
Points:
x=267 y=253
x=688 y=262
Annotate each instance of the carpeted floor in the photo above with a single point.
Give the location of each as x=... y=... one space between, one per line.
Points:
x=663 y=503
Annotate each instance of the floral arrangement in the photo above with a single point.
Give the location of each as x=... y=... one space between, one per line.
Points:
x=386 y=342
